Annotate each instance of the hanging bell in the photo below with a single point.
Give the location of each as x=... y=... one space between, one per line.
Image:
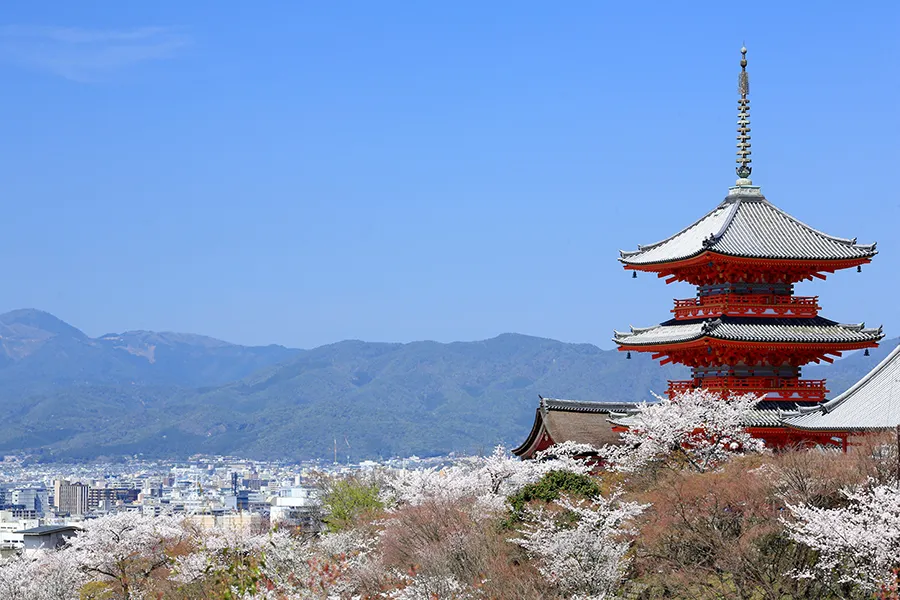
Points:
x=866 y=353
x=628 y=355
x=634 y=274
x=859 y=268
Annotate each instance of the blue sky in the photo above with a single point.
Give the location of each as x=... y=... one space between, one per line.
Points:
x=302 y=173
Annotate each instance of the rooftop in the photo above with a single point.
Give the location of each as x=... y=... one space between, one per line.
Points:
x=816 y=330
x=578 y=421
x=872 y=403
x=747 y=225
x=49 y=529
x=554 y=404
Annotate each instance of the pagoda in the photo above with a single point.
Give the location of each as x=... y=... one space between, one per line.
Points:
x=746 y=331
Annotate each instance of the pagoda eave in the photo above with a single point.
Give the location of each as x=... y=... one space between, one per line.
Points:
x=708 y=351
x=713 y=342
x=714 y=267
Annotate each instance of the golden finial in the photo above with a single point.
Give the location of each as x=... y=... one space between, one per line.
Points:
x=743 y=138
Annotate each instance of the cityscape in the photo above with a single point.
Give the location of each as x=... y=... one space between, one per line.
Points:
x=39 y=501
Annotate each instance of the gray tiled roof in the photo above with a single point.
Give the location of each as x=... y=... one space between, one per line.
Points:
x=872 y=403
x=787 y=331
x=764 y=418
x=48 y=529
x=585 y=406
x=766 y=414
x=746 y=224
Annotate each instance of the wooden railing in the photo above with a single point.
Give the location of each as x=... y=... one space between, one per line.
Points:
x=777 y=388
x=747 y=305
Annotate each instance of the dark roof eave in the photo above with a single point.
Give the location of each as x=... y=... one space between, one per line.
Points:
x=586 y=406
x=837 y=429
x=532 y=435
x=622 y=258
x=625 y=344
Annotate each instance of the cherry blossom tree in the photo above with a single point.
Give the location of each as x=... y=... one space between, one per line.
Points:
x=858 y=543
x=245 y=561
x=125 y=550
x=421 y=587
x=488 y=480
x=586 y=560
x=16 y=576
x=697 y=430
x=46 y=575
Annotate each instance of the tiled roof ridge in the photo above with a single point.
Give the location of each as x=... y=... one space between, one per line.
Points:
x=713 y=238
x=700 y=328
x=644 y=247
x=583 y=405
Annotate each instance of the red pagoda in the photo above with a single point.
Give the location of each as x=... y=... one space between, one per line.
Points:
x=746 y=331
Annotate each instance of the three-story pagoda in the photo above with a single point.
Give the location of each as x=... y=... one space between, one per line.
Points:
x=746 y=331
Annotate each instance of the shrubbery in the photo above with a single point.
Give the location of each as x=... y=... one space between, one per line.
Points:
x=549 y=488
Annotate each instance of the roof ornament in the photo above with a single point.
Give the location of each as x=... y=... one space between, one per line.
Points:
x=743 y=137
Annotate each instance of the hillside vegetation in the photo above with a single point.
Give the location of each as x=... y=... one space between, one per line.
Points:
x=69 y=396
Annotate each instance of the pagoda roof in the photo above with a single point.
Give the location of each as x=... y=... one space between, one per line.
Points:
x=872 y=403
x=816 y=330
x=747 y=225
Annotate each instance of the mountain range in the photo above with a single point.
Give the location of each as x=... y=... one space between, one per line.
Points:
x=67 y=396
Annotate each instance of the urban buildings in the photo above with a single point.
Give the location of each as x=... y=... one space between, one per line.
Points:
x=211 y=491
x=70 y=498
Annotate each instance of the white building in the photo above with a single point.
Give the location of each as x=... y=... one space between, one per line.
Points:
x=46 y=537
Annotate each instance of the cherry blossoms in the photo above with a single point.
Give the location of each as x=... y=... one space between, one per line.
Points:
x=487 y=480
x=125 y=548
x=49 y=576
x=587 y=559
x=858 y=543
x=698 y=430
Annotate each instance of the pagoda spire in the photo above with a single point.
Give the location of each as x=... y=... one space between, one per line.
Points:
x=743 y=130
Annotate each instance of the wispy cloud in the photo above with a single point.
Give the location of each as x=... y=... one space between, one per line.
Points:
x=87 y=54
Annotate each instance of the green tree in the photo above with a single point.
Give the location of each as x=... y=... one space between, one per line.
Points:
x=347 y=500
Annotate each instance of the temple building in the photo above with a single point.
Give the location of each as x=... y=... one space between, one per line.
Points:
x=558 y=421
x=746 y=331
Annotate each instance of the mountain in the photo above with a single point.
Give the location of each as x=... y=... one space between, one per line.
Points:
x=68 y=396
x=417 y=398
x=39 y=352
